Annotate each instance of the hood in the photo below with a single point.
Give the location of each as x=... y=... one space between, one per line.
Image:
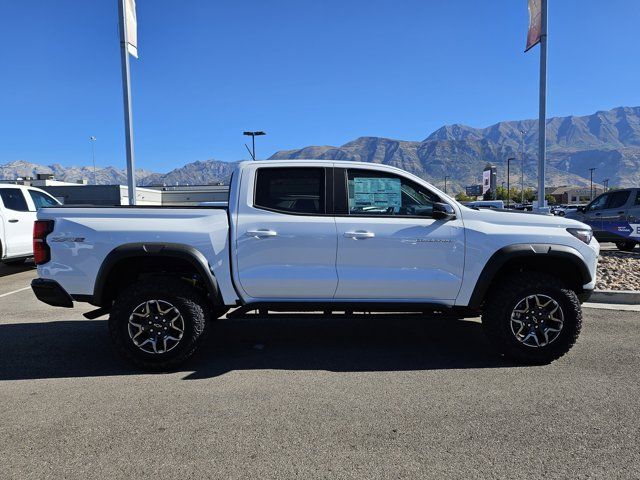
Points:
x=511 y=217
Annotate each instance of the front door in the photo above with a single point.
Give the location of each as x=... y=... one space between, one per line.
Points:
x=390 y=246
x=593 y=213
x=286 y=240
x=18 y=223
x=614 y=215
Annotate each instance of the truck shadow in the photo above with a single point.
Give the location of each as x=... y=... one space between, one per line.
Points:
x=302 y=342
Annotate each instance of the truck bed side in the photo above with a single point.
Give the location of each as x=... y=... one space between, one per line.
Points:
x=83 y=237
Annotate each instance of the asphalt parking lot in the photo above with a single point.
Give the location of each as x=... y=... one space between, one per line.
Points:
x=376 y=396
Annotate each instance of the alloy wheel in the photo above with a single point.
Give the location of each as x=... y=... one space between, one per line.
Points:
x=537 y=320
x=156 y=326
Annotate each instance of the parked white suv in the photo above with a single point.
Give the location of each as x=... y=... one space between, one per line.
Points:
x=321 y=236
x=18 y=207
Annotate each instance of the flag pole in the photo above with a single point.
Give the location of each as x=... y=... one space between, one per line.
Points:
x=128 y=117
x=542 y=135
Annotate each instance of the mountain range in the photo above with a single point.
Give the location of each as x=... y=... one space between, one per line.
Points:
x=606 y=140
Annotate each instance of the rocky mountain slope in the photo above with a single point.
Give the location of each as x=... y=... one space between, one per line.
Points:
x=606 y=140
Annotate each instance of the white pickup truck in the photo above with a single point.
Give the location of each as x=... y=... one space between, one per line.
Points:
x=319 y=236
x=18 y=206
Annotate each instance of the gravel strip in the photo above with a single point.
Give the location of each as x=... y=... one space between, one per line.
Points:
x=619 y=270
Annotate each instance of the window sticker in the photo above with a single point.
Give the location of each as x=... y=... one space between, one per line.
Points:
x=383 y=193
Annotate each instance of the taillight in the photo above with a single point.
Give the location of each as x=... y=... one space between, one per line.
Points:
x=41 y=251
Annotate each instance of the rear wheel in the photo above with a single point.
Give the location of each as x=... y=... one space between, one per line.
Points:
x=532 y=318
x=626 y=246
x=157 y=323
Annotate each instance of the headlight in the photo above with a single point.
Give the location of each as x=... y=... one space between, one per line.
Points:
x=584 y=234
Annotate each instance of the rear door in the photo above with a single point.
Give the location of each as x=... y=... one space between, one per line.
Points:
x=389 y=245
x=285 y=233
x=18 y=222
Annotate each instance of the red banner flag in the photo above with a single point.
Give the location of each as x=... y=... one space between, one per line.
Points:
x=535 y=24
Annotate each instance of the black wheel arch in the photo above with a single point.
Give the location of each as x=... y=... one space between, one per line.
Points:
x=105 y=287
x=559 y=260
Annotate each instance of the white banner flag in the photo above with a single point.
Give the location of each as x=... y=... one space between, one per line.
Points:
x=131 y=23
x=535 y=24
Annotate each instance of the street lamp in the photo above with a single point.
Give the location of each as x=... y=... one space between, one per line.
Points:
x=591 y=170
x=508 y=181
x=93 y=139
x=445 y=182
x=253 y=136
x=522 y=134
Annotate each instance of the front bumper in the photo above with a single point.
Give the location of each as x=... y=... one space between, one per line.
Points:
x=51 y=293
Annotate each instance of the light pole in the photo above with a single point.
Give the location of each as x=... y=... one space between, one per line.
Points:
x=522 y=134
x=445 y=182
x=253 y=136
x=509 y=181
x=605 y=184
x=591 y=170
x=93 y=139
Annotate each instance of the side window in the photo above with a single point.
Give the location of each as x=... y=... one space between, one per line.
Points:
x=637 y=202
x=290 y=190
x=618 y=199
x=42 y=200
x=13 y=199
x=377 y=193
x=599 y=203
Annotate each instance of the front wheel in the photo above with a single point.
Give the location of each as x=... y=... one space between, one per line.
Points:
x=532 y=318
x=156 y=324
x=625 y=246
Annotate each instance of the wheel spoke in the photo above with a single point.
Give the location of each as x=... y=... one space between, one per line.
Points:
x=156 y=326
x=536 y=320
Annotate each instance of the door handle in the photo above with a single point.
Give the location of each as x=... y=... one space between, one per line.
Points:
x=359 y=234
x=598 y=214
x=261 y=233
x=13 y=220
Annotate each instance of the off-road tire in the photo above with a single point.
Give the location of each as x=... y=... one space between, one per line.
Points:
x=191 y=304
x=626 y=246
x=504 y=297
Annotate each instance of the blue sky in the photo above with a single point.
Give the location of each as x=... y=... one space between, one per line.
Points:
x=308 y=72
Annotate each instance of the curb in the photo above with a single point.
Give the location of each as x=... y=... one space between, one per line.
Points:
x=622 y=297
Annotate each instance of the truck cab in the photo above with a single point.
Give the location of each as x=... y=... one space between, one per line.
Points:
x=18 y=207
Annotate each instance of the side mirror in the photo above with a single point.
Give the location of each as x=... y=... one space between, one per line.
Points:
x=443 y=211
x=582 y=209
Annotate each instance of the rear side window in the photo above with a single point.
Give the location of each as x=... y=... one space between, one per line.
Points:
x=291 y=190
x=618 y=199
x=13 y=199
x=41 y=200
x=637 y=197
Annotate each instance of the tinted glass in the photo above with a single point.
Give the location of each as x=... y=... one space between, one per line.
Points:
x=618 y=199
x=13 y=199
x=41 y=200
x=637 y=197
x=377 y=193
x=599 y=203
x=295 y=190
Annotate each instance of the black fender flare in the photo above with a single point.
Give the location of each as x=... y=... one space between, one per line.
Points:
x=153 y=249
x=521 y=251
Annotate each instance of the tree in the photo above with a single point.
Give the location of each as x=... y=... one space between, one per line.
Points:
x=463 y=197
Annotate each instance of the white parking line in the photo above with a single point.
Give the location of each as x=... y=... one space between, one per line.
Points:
x=15 y=291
